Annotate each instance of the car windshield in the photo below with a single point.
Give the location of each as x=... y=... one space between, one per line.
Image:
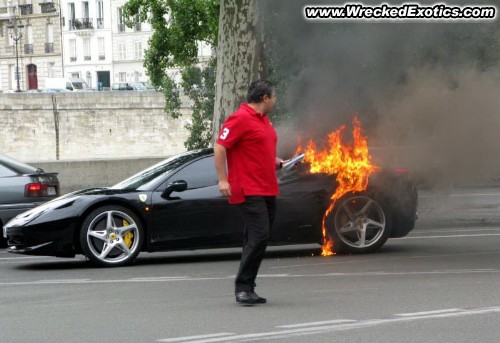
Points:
x=18 y=166
x=79 y=85
x=143 y=178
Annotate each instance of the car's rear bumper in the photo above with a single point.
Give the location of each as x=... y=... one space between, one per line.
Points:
x=50 y=239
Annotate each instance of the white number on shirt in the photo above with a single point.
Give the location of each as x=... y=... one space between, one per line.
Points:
x=224 y=134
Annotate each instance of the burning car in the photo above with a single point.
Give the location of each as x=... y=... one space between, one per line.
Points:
x=337 y=198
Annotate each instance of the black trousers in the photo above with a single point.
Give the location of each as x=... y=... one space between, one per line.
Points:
x=258 y=216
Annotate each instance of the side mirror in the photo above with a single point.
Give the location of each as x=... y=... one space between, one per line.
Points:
x=176 y=186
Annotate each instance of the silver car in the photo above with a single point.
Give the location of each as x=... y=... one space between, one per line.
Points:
x=23 y=187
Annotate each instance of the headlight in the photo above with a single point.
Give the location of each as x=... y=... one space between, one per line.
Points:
x=28 y=216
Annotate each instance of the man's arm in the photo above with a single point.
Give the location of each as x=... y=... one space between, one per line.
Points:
x=220 y=158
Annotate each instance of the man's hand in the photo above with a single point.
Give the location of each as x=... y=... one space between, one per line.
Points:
x=225 y=188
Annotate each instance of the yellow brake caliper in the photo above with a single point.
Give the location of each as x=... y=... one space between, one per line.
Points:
x=128 y=237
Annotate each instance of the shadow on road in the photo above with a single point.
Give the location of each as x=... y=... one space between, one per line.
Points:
x=146 y=259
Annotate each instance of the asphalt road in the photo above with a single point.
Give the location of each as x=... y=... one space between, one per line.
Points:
x=439 y=284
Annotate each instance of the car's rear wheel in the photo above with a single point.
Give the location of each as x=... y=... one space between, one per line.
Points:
x=111 y=236
x=358 y=224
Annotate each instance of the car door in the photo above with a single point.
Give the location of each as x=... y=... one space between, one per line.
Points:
x=198 y=217
x=300 y=206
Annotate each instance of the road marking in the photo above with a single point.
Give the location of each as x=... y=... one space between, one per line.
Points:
x=460 y=195
x=416 y=314
x=347 y=325
x=26 y=258
x=158 y=278
x=451 y=236
x=335 y=321
x=189 y=338
x=458 y=230
x=187 y=278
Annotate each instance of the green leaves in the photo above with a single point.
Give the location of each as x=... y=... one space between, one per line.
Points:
x=179 y=26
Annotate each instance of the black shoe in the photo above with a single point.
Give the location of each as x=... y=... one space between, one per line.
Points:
x=246 y=297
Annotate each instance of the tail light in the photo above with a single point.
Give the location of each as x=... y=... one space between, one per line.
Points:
x=40 y=190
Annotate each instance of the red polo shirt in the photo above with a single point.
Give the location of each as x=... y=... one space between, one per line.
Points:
x=250 y=142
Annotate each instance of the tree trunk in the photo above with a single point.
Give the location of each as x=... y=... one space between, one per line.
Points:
x=239 y=56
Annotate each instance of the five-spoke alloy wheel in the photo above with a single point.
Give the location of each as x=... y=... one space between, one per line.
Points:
x=111 y=236
x=358 y=224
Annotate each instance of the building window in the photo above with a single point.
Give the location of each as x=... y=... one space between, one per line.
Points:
x=71 y=16
x=137 y=75
x=101 y=48
x=72 y=50
x=121 y=20
x=100 y=14
x=28 y=47
x=85 y=9
x=50 y=69
x=89 y=78
x=49 y=46
x=121 y=51
x=138 y=50
x=137 y=23
x=50 y=33
x=26 y=9
x=122 y=77
x=86 y=49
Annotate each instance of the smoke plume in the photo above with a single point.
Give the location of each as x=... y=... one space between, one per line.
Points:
x=427 y=94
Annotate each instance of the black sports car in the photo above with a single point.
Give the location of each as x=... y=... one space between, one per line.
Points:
x=176 y=205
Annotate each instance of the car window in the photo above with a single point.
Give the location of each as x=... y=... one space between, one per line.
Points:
x=200 y=173
x=20 y=167
x=149 y=176
x=6 y=172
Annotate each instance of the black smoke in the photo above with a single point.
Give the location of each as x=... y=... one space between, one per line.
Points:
x=427 y=94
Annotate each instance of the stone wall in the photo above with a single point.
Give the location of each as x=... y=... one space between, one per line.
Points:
x=92 y=125
x=75 y=175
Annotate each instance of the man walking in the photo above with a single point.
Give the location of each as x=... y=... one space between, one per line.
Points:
x=247 y=142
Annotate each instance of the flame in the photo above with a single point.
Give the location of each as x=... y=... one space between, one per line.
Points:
x=351 y=163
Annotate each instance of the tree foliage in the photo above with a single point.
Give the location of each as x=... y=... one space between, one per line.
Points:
x=179 y=26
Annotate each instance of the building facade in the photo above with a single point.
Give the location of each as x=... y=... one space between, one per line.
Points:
x=85 y=39
x=34 y=26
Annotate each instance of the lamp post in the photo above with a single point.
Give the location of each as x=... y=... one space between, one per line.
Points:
x=16 y=36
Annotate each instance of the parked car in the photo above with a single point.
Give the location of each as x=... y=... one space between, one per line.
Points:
x=143 y=86
x=62 y=83
x=132 y=86
x=122 y=86
x=176 y=205
x=23 y=187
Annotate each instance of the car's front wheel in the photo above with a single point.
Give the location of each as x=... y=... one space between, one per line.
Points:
x=111 y=236
x=358 y=224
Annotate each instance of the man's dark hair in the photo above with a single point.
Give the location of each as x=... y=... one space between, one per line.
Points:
x=258 y=89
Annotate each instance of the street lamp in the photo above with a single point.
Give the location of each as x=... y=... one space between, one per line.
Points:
x=16 y=35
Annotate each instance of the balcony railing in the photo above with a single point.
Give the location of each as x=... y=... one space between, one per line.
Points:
x=100 y=23
x=102 y=57
x=26 y=9
x=86 y=58
x=121 y=27
x=47 y=7
x=72 y=59
x=49 y=48
x=28 y=49
x=80 y=24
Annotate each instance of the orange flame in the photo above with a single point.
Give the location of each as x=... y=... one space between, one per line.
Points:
x=351 y=163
